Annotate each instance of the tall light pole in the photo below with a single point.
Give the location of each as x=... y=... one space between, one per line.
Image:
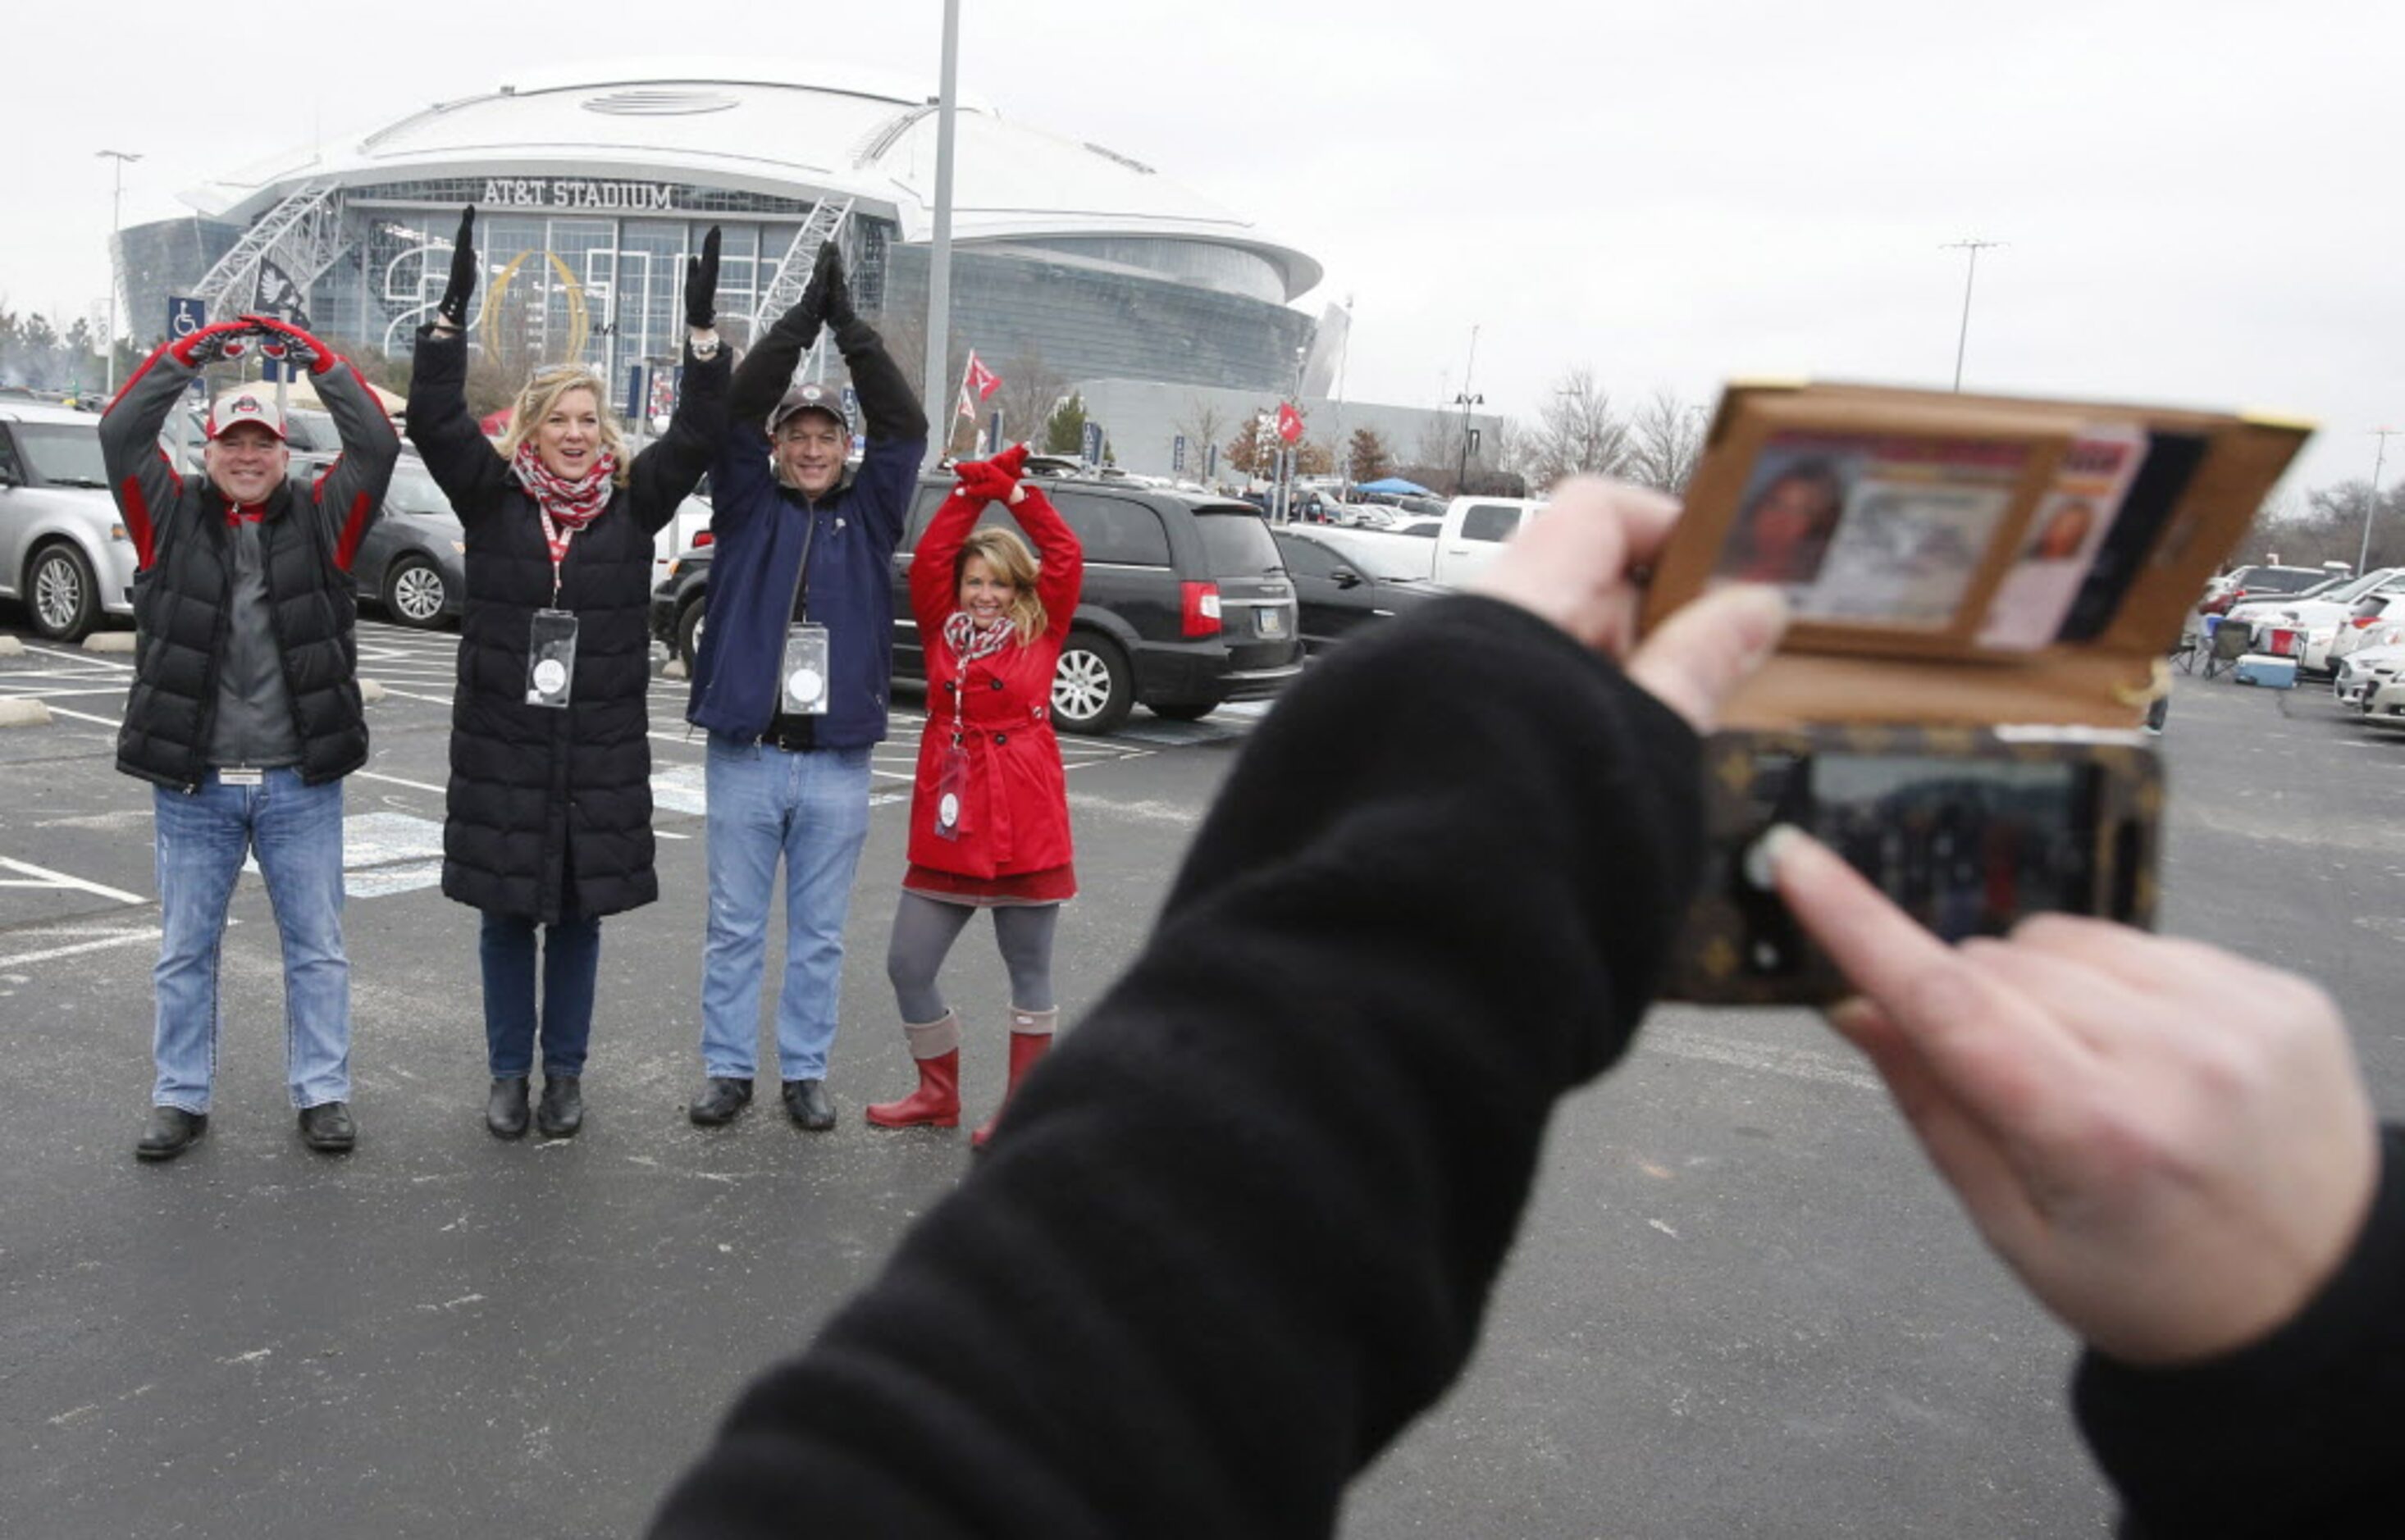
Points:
x=2371 y=504
x=1974 y=245
x=115 y=207
x=1461 y=470
x=939 y=256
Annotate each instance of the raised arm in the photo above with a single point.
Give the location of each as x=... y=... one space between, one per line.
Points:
x=458 y=456
x=144 y=485
x=1063 y=573
x=664 y=474
x=933 y=594
x=348 y=496
x=455 y=449
x=892 y=419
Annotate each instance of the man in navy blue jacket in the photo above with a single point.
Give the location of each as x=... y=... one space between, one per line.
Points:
x=790 y=680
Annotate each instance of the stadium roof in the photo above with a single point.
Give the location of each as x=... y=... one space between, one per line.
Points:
x=778 y=129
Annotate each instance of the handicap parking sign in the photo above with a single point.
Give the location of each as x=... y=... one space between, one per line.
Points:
x=185 y=315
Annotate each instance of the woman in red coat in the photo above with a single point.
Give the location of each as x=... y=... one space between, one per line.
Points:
x=990 y=821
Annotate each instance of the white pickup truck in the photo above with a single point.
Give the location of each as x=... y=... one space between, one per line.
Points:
x=1474 y=529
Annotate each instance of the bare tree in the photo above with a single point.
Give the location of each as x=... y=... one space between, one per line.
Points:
x=1030 y=389
x=1577 y=432
x=1666 y=439
x=1202 y=424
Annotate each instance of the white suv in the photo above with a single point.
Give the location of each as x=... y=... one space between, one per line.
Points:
x=64 y=550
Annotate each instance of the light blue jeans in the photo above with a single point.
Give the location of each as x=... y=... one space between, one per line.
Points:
x=812 y=810
x=203 y=835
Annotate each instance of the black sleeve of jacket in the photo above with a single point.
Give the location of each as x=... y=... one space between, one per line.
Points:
x=1241 y=1227
x=887 y=407
x=668 y=469
x=2298 y=1434
x=458 y=456
x=767 y=369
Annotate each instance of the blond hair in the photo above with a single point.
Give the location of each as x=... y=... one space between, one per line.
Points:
x=1007 y=554
x=544 y=391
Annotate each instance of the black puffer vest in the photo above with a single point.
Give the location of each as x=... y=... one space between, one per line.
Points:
x=181 y=617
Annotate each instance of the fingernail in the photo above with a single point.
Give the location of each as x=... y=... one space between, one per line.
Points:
x=1763 y=855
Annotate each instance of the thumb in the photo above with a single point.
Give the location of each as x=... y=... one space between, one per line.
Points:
x=1697 y=658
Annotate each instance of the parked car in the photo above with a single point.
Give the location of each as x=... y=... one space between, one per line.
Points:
x=2235 y=586
x=63 y=550
x=1341 y=585
x=1186 y=604
x=2304 y=627
x=1474 y=531
x=413 y=558
x=2376 y=619
x=2365 y=670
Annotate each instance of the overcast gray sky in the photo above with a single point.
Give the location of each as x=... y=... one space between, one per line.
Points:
x=2202 y=199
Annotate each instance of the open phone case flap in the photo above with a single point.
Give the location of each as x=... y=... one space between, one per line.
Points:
x=1963 y=559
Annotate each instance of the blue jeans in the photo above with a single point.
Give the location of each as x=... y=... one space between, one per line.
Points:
x=203 y=835
x=812 y=810
x=571 y=959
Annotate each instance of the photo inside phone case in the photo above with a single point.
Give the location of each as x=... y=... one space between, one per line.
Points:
x=1963 y=559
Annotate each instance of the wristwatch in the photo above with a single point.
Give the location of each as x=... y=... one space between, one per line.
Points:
x=705 y=345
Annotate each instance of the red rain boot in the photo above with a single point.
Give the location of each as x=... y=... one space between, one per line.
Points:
x=1025 y=1049
x=936 y=1048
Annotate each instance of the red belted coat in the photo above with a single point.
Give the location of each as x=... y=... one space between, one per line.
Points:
x=1013 y=815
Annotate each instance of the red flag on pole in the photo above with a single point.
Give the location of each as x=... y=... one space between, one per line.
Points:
x=977 y=382
x=1289 y=427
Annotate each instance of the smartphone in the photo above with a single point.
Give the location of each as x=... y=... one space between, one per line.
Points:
x=1968 y=830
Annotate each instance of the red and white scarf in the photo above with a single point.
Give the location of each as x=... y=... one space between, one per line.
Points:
x=970 y=641
x=571 y=504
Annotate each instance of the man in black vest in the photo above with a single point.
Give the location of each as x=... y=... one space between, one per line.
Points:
x=245 y=712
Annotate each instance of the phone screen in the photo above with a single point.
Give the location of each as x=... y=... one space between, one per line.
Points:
x=1965 y=846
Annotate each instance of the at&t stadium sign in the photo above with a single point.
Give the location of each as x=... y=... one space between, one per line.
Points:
x=572 y=192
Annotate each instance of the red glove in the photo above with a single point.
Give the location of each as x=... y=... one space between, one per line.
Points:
x=283 y=340
x=995 y=480
x=210 y=343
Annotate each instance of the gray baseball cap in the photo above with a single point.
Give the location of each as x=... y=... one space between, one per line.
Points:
x=809 y=398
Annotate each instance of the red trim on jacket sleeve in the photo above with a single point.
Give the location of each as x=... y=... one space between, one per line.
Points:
x=355 y=529
x=136 y=509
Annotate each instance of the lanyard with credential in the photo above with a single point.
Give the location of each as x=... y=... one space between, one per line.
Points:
x=556 y=538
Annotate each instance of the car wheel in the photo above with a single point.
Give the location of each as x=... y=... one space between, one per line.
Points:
x=1093 y=690
x=414 y=592
x=60 y=595
x=1184 y=711
x=688 y=632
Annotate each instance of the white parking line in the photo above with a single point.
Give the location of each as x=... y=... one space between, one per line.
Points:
x=124 y=938
x=60 y=879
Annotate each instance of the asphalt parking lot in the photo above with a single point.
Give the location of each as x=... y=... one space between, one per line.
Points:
x=1741 y=1307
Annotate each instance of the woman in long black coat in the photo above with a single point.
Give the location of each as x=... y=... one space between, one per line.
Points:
x=550 y=800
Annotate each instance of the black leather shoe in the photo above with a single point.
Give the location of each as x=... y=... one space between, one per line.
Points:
x=505 y=1109
x=328 y=1127
x=811 y=1107
x=562 y=1111
x=169 y=1133
x=721 y=1097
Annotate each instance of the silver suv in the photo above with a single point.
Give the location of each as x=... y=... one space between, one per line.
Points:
x=64 y=550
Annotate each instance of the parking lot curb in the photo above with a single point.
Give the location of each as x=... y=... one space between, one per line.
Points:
x=109 y=642
x=24 y=713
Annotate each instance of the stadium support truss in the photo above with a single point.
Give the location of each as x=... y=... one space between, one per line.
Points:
x=793 y=275
x=300 y=237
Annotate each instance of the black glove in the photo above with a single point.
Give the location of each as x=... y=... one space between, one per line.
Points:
x=701 y=284
x=834 y=294
x=454 y=306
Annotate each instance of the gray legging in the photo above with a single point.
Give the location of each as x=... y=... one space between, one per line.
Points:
x=924 y=929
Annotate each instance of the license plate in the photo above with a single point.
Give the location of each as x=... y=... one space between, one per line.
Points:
x=1271 y=622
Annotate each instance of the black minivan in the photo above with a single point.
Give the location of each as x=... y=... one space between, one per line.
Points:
x=1186 y=605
